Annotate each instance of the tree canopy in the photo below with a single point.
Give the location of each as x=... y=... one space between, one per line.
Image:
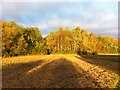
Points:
x=18 y=40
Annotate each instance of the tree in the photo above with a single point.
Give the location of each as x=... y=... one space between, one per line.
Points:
x=18 y=40
x=21 y=47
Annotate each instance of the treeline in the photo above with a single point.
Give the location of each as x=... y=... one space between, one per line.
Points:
x=18 y=40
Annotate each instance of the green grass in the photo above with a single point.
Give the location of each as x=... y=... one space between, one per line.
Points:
x=60 y=70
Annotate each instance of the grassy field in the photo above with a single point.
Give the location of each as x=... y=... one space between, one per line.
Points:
x=60 y=71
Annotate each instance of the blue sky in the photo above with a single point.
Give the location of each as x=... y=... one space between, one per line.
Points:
x=98 y=17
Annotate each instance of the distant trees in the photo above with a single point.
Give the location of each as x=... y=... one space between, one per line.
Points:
x=79 y=41
x=107 y=44
x=17 y=40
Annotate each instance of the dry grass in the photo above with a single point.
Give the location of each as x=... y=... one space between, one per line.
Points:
x=58 y=71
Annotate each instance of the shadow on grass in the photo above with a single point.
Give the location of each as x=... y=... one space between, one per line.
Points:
x=60 y=73
x=110 y=62
x=112 y=58
x=12 y=73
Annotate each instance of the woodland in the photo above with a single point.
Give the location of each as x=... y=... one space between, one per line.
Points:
x=19 y=40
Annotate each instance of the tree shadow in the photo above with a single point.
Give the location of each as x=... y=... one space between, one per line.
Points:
x=60 y=73
x=113 y=58
x=11 y=74
x=110 y=62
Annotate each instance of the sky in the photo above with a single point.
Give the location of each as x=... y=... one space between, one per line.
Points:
x=98 y=17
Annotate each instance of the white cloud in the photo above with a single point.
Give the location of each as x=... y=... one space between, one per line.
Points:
x=100 y=18
x=0 y=10
x=105 y=25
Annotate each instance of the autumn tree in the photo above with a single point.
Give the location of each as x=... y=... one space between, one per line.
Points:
x=18 y=40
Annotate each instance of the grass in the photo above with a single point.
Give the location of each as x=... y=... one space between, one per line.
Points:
x=60 y=71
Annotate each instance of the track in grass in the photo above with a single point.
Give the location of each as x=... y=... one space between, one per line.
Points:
x=59 y=71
